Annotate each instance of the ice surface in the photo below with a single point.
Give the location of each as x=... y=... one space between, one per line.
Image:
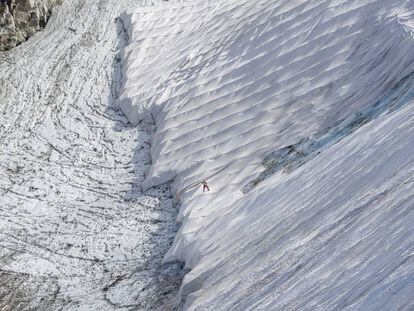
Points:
x=77 y=232
x=320 y=89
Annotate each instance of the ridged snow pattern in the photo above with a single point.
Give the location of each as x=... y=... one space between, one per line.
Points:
x=258 y=64
x=230 y=82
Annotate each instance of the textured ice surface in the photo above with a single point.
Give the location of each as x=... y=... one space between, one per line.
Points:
x=232 y=83
x=76 y=230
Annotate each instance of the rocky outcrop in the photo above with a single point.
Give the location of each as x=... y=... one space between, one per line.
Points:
x=20 y=19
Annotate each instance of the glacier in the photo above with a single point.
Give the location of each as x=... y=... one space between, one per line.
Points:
x=77 y=231
x=299 y=114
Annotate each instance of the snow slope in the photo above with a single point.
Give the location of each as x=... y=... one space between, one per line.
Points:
x=300 y=116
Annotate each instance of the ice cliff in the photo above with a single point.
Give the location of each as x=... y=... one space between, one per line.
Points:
x=300 y=116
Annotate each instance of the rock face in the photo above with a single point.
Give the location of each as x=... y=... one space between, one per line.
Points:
x=20 y=19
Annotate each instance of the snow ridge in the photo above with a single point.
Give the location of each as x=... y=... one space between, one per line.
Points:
x=229 y=83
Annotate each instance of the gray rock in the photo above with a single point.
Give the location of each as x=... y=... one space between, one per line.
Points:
x=20 y=19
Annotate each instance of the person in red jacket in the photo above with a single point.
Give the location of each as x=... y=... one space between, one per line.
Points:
x=205 y=186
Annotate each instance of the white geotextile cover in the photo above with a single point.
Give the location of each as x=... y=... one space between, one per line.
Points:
x=229 y=82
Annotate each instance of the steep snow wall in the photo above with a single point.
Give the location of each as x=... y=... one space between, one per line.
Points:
x=298 y=113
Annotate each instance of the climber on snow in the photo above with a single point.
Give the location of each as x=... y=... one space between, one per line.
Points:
x=205 y=186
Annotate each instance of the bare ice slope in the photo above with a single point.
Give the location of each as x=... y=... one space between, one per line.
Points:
x=76 y=230
x=299 y=114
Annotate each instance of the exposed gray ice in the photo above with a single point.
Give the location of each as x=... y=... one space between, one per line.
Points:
x=76 y=230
